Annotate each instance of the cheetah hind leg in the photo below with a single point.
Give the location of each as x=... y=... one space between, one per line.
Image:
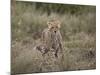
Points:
x=56 y=54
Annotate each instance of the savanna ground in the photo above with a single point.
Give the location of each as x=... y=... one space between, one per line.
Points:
x=78 y=29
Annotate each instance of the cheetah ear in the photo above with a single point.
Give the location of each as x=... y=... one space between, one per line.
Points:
x=49 y=25
x=59 y=24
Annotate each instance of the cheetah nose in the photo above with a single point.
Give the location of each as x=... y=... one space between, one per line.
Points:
x=55 y=31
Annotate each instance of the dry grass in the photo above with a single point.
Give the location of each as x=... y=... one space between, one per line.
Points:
x=26 y=59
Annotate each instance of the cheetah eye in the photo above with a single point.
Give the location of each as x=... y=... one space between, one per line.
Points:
x=52 y=27
x=51 y=24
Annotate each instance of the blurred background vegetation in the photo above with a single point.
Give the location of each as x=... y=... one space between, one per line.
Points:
x=78 y=29
x=30 y=18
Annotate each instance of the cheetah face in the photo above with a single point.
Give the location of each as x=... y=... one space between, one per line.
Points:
x=54 y=26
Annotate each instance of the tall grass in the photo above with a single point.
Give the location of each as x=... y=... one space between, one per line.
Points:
x=29 y=20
